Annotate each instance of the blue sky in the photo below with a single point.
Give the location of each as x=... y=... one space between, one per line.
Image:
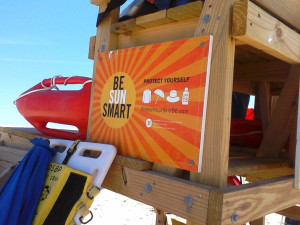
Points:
x=40 y=39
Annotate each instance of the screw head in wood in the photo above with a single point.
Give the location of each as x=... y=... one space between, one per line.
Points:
x=192 y=162
x=148 y=188
x=235 y=217
x=188 y=200
x=206 y=18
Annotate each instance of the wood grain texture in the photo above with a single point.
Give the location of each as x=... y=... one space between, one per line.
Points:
x=186 y=11
x=9 y=139
x=105 y=41
x=125 y=26
x=153 y=19
x=270 y=174
x=292 y=212
x=9 y=156
x=281 y=121
x=253 y=201
x=161 y=217
x=167 y=193
x=92 y=48
x=240 y=166
x=217 y=129
x=253 y=26
x=162 y=33
x=264 y=96
x=288 y=11
x=132 y=163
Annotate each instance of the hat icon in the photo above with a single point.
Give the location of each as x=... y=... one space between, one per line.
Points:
x=173 y=97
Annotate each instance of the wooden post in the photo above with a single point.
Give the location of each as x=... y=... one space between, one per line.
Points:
x=215 y=20
x=260 y=221
x=281 y=122
x=105 y=41
x=161 y=217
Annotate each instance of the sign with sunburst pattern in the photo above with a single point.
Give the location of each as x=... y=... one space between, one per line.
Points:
x=150 y=101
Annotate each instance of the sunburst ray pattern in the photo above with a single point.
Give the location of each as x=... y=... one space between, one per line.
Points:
x=150 y=101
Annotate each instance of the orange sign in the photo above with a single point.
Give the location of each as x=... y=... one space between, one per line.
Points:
x=150 y=101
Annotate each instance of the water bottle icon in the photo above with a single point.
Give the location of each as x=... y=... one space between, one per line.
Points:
x=185 y=96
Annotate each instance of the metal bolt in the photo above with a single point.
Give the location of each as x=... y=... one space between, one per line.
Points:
x=219 y=18
x=206 y=18
x=141 y=194
x=203 y=31
x=148 y=188
x=235 y=217
x=154 y=183
x=192 y=162
x=202 y=44
x=100 y=58
x=188 y=200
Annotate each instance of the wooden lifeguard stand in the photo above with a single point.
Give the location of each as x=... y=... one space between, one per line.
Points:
x=255 y=51
x=255 y=45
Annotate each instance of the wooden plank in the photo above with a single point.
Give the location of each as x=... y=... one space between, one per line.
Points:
x=161 y=191
x=168 y=170
x=161 y=217
x=105 y=41
x=92 y=48
x=264 y=96
x=125 y=26
x=153 y=19
x=9 y=156
x=132 y=163
x=260 y=221
x=255 y=27
x=215 y=20
x=261 y=71
x=280 y=124
x=186 y=11
x=293 y=141
x=9 y=139
x=162 y=33
x=214 y=215
x=253 y=201
x=240 y=166
x=270 y=174
x=292 y=212
x=288 y=11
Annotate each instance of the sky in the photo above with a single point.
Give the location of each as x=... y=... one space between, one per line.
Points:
x=40 y=39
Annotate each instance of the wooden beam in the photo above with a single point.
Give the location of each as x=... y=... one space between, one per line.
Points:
x=253 y=26
x=162 y=33
x=153 y=19
x=181 y=197
x=215 y=20
x=240 y=166
x=125 y=26
x=105 y=41
x=270 y=174
x=264 y=96
x=288 y=11
x=132 y=163
x=253 y=201
x=92 y=48
x=260 y=221
x=161 y=217
x=292 y=212
x=281 y=122
x=261 y=71
x=184 y=12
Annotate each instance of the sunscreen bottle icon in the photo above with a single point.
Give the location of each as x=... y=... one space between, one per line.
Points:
x=185 y=96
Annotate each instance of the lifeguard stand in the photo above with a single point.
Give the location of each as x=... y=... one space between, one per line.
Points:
x=255 y=51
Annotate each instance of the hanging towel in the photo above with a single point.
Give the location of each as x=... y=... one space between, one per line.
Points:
x=20 y=195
